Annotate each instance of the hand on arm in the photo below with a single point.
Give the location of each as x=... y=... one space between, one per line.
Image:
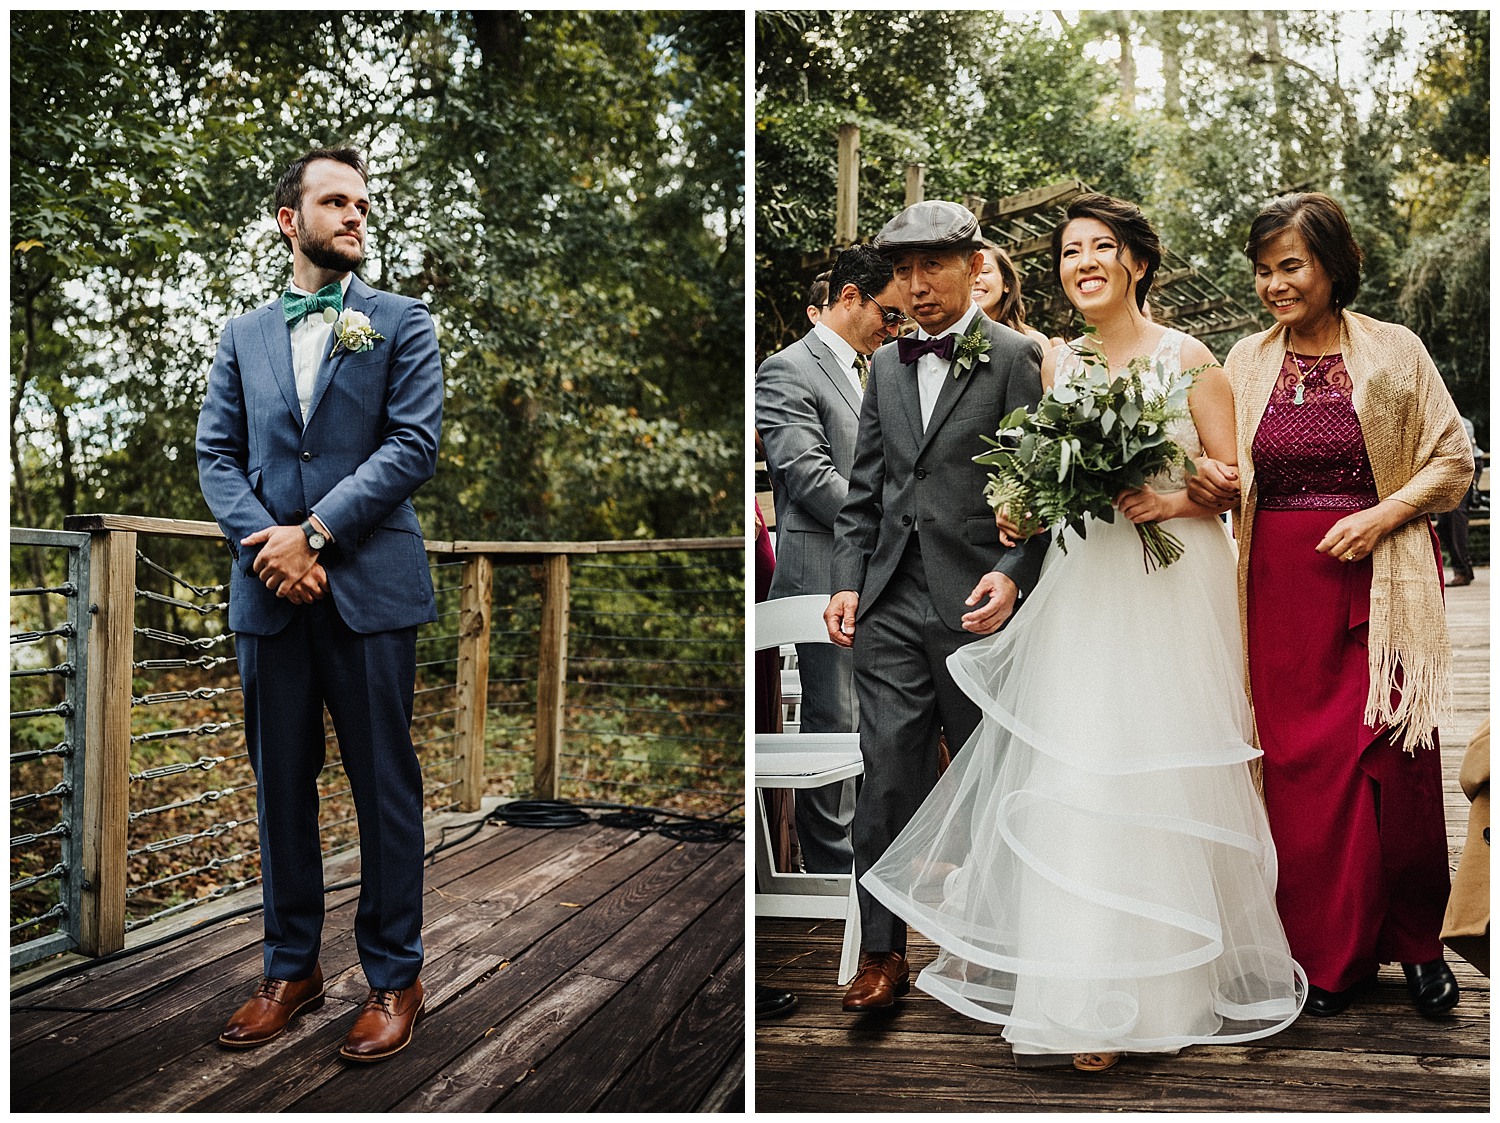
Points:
x=1216 y=486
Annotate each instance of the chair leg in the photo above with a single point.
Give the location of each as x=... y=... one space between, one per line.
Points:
x=849 y=961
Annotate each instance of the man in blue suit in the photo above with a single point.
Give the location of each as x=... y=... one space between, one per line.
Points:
x=320 y=421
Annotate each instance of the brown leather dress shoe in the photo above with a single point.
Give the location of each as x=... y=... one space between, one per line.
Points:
x=276 y=1003
x=384 y=1026
x=882 y=978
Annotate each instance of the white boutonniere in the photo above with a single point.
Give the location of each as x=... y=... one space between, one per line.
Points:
x=972 y=347
x=353 y=333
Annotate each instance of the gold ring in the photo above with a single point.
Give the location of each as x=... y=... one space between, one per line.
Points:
x=1349 y=556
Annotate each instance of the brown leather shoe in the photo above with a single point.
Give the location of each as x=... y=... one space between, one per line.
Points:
x=882 y=978
x=276 y=1003
x=384 y=1026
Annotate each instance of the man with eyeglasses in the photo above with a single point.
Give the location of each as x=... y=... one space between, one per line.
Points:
x=807 y=400
x=917 y=559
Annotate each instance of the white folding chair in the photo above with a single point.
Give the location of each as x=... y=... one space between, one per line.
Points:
x=802 y=760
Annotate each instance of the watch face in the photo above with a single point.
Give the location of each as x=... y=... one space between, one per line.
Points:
x=316 y=540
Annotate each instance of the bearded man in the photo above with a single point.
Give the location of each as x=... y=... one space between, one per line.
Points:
x=320 y=420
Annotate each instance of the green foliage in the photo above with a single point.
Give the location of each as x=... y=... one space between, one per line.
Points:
x=565 y=189
x=1000 y=107
x=1388 y=112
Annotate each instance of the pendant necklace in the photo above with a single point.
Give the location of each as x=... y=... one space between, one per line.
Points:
x=1303 y=374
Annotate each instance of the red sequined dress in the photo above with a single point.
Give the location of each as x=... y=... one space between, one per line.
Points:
x=1358 y=823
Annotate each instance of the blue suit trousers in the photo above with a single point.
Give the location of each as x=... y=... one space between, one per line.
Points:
x=366 y=682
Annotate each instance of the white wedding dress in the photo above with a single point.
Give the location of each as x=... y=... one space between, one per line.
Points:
x=1095 y=865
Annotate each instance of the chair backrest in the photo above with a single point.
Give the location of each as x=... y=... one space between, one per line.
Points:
x=790 y=620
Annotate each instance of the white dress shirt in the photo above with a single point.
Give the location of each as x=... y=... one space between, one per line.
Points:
x=844 y=353
x=932 y=371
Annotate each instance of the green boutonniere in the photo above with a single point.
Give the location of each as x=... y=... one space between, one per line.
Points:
x=972 y=347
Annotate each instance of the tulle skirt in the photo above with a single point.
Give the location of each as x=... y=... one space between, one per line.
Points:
x=1095 y=865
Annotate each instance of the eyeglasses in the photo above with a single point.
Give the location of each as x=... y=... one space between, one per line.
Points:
x=891 y=316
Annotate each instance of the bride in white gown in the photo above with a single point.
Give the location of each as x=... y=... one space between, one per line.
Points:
x=1095 y=865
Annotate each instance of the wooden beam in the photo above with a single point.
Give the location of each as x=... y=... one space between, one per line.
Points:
x=846 y=217
x=106 y=765
x=474 y=614
x=552 y=669
x=1197 y=308
x=1037 y=199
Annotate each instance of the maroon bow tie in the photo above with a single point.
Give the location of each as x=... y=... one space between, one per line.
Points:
x=910 y=349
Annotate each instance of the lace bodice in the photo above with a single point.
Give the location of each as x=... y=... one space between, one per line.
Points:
x=1182 y=430
x=1311 y=456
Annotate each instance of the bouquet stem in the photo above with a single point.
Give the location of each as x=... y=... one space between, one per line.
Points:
x=1158 y=547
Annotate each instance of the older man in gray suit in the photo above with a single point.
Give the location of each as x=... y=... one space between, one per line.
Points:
x=917 y=562
x=807 y=413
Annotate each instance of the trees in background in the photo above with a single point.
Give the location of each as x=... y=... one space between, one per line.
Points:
x=565 y=190
x=1200 y=116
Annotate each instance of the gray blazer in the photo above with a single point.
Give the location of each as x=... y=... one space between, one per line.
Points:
x=807 y=413
x=906 y=481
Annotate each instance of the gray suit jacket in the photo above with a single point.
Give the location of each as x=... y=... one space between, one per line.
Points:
x=906 y=481
x=807 y=413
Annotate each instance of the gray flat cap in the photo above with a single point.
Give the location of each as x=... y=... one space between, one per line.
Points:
x=933 y=224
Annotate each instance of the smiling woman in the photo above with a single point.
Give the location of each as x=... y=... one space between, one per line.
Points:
x=1347 y=440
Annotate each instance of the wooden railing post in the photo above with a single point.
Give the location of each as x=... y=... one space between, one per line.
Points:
x=475 y=605
x=106 y=785
x=551 y=669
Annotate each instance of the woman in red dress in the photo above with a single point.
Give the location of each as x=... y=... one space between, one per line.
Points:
x=1348 y=440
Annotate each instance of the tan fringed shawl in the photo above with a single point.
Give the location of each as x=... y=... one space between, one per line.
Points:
x=1420 y=455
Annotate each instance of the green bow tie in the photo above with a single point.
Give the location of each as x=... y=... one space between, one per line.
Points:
x=295 y=306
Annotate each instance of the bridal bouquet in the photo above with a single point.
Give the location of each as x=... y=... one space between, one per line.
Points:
x=1089 y=439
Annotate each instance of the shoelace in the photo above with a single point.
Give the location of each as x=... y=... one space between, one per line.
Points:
x=270 y=988
x=382 y=1000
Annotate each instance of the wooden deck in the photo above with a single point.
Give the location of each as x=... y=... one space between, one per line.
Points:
x=583 y=969
x=1379 y=1056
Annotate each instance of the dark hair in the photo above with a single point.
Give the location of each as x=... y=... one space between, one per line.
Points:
x=1128 y=224
x=289 y=186
x=864 y=268
x=1324 y=227
x=817 y=296
x=1012 y=309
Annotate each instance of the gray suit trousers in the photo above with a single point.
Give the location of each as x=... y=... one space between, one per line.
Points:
x=907 y=700
x=824 y=814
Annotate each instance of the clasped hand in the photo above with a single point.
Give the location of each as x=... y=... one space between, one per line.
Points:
x=286 y=564
x=1215 y=486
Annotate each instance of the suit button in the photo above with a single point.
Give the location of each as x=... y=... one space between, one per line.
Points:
x=921 y=473
x=906 y=520
x=306 y=456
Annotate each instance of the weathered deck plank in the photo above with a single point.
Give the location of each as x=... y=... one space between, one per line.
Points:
x=1378 y=1056
x=516 y=921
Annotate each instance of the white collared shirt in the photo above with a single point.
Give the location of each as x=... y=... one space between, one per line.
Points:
x=932 y=371
x=843 y=352
x=312 y=339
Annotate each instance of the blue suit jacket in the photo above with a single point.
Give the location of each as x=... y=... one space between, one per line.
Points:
x=370 y=440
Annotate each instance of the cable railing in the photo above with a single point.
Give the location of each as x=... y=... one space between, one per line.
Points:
x=603 y=671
